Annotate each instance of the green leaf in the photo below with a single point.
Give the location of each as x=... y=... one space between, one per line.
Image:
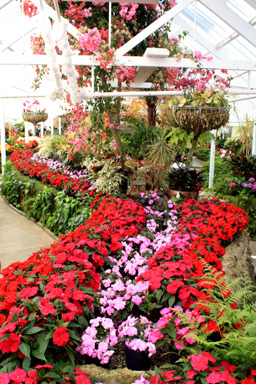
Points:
x=165 y=297
x=15 y=318
x=32 y=316
x=26 y=364
x=33 y=330
x=42 y=342
x=25 y=348
x=38 y=354
x=171 y=301
x=82 y=321
x=159 y=294
x=71 y=356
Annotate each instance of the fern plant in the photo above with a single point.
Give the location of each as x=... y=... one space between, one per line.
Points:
x=230 y=308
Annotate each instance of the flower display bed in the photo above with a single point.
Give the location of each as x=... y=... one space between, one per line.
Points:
x=133 y=274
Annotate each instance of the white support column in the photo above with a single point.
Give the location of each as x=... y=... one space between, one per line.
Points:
x=42 y=129
x=2 y=123
x=52 y=125
x=59 y=125
x=254 y=139
x=212 y=162
x=26 y=131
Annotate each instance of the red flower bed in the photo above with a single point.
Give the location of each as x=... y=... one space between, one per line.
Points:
x=23 y=162
x=47 y=294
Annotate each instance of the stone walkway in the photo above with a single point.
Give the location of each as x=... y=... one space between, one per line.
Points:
x=19 y=237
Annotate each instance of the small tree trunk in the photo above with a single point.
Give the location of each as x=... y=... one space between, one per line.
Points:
x=117 y=138
x=151 y=104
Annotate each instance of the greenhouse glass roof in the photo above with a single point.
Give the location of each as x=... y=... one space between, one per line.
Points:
x=225 y=29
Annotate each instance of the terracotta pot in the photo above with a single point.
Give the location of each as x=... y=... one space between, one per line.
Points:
x=187 y=194
x=136 y=360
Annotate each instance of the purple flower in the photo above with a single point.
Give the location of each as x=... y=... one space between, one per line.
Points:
x=251 y=180
x=253 y=188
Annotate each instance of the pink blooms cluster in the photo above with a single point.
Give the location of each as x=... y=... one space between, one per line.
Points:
x=30 y=9
x=128 y=11
x=126 y=74
x=118 y=295
x=183 y=321
x=90 y=41
x=28 y=105
x=136 y=331
x=99 y=339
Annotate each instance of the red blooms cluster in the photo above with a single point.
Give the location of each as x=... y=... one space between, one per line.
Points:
x=44 y=296
x=23 y=162
x=179 y=267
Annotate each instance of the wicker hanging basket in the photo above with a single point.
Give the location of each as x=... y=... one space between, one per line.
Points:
x=35 y=117
x=201 y=118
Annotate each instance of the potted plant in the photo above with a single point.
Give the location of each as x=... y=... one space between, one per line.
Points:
x=185 y=181
x=139 y=347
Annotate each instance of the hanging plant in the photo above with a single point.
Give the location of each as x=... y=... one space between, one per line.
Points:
x=199 y=112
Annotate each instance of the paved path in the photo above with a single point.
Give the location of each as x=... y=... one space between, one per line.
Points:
x=19 y=237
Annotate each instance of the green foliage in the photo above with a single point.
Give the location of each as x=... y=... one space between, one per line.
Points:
x=11 y=186
x=42 y=205
x=202 y=153
x=233 y=310
x=185 y=179
x=222 y=174
x=68 y=214
x=54 y=209
x=243 y=165
x=136 y=142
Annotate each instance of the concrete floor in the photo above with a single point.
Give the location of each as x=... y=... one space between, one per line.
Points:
x=19 y=237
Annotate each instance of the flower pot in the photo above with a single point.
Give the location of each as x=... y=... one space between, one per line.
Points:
x=136 y=360
x=189 y=195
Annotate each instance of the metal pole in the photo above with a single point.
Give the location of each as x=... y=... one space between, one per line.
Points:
x=59 y=125
x=52 y=126
x=26 y=131
x=212 y=161
x=3 y=150
x=42 y=129
x=254 y=139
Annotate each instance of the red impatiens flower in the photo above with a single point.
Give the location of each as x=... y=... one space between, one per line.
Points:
x=60 y=336
x=44 y=366
x=46 y=306
x=4 y=378
x=18 y=375
x=11 y=344
x=214 y=378
x=82 y=379
x=199 y=362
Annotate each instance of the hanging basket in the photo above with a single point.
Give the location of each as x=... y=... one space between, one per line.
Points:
x=201 y=118
x=35 y=117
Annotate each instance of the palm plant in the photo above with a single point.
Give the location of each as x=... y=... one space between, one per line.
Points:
x=160 y=155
